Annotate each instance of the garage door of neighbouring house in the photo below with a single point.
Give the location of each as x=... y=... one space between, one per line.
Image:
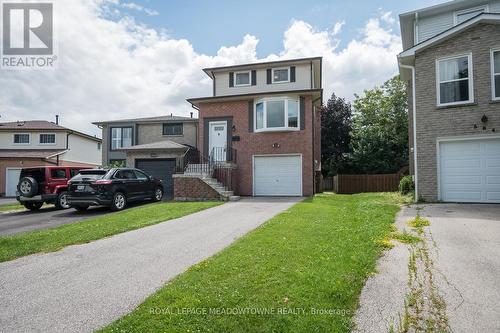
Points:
x=470 y=170
x=161 y=169
x=279 y=175
x=11 y=180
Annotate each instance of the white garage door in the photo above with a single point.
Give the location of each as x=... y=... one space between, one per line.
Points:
x=278 y=175
x=470 y=171
x=11 y=180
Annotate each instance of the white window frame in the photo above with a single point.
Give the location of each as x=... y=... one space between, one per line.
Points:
x=245 y=84
x=47 y=144
x=470 y=78
x=493 y=74
x=280 y=68
x=21 y=144
x=264 y=121
x=485 y=8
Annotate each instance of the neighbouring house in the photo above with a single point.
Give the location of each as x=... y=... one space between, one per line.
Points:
x=259 y=133
x=154 y=144
x=39 y=142
x=451 y=60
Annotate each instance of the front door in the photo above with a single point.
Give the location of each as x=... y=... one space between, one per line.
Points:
x=217 y=140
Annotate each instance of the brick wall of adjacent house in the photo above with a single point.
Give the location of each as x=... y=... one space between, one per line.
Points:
x=192 y=188
x=298 y=142
x=434 y=122
x=26 y=163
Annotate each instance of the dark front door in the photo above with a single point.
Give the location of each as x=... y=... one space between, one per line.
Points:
x=162 y=169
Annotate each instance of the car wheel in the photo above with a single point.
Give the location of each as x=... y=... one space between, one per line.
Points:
x=62 y=201
x=119 y=201
x=81 y=208
x=158 y=195
x=27 y=186
x=33 y=205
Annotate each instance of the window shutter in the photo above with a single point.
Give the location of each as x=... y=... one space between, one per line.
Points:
x=292 y=74
x=231 y=79
x=302 y=112
x=254 y=77
x=250 y=116
x=269 y=75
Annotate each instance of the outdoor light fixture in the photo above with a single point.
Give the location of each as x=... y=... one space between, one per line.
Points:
x=484 y=119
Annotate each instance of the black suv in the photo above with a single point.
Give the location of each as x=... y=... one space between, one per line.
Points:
x=113 y=188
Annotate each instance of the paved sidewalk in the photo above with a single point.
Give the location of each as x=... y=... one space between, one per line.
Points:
x=85 y=287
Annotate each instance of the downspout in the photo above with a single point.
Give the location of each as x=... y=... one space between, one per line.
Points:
x=414 y=121
x=198 y=124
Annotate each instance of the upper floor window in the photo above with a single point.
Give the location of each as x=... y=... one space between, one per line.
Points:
x=281 y=75
x=276 y=114
x=242 y=79
x=454 y=80
x=22 y=138
x=495 y=69
x=172 y=129
x=121 y=137
x=47 y=139
x=464 y=15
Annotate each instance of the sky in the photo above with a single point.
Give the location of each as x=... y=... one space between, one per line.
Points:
x=121 y=59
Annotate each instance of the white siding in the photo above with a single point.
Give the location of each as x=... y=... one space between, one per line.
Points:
x=7 y=140
x=302 y=81
x=82 y=150
x=495 y=7
x=430 y=26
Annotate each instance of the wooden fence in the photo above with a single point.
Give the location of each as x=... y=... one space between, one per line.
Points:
x=348 y=184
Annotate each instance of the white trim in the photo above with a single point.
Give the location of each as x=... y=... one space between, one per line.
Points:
x=470 y=78
x=280 y=68
x=439 y=140
x=278 y=155
x=245 y=84
x=485 y=8
x=286 y=128
x=7 y=178
x=48 y=144
x=483 y=17
x=493 y=74
x=21 y=144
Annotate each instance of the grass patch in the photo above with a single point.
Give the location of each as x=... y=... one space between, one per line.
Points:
x=11 y=207
x=314 y=256
x=419 y=223
x=405 y=237
x=54 y=239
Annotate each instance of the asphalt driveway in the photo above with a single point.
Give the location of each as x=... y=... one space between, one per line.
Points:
x=463 y=267
x=84 y=287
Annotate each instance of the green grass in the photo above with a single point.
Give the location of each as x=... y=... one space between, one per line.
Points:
x=316 y=255
x=54 y=239
x=405 y=237
x=11 y=207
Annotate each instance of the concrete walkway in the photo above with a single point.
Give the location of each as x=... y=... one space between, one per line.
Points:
x=460 y=271
x=85 y=287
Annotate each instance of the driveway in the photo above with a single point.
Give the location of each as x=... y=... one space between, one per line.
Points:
x=25 y=220
x=84 y=287
x=463 y=243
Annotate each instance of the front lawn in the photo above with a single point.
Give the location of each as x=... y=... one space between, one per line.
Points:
x=11 y=207
x=302 y=271
x=95 y=228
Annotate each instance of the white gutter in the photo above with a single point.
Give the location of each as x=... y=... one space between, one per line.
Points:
x=414 y=114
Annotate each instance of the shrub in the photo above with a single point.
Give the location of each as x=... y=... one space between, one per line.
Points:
x=406 y=185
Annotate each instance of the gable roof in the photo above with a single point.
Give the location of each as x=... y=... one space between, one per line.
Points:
x=41 y=125
x=148 y=120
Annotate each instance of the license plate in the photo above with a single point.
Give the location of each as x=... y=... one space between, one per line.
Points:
x=81 y=187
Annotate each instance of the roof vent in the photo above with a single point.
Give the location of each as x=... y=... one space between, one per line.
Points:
x=21 y=123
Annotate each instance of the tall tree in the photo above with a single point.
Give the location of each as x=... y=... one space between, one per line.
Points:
x=336 y=125
x=380 y=129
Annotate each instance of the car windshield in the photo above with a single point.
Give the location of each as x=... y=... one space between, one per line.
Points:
x=91 y=175
x=37 y=173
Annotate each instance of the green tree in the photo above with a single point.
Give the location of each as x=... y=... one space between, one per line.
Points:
x=336 y=125
x=379 y=139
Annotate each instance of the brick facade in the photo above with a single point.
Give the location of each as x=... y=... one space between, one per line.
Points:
x=297 y=142
x=436 y=122
x=192 y=188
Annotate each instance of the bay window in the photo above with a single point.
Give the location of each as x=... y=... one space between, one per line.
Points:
x=121 y=137
x=454 y=80
x=495 y=72
x=277 y=114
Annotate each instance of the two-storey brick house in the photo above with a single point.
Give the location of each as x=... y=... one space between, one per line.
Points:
x=451 y=60
x=264 y=120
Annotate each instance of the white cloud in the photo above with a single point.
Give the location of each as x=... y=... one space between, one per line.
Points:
x=112 y=69
x=134 y=6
